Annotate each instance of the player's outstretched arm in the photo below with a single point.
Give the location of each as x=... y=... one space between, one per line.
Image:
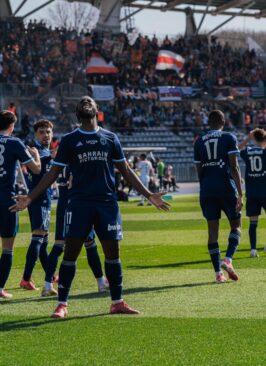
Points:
x=133 y=180
x=46 y=181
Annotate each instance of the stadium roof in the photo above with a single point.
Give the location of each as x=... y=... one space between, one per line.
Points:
x=254 y=8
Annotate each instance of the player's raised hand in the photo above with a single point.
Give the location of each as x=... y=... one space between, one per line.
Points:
x=33 y=151
x=157 y=201
x=23 y=201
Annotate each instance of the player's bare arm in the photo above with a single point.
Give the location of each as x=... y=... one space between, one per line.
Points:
x=244 y=143
x=35 y=165
x=24 y=200
x=235 y=172
x=132 y=179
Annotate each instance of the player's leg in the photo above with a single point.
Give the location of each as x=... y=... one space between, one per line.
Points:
x=6 y=264
x=252 y=231
x=43 y=254
x=78 y=224
x=212 y=212
x=8 y=231
x=253 y=211
x=39 y=219
x=66 y=274
x=229 y=205
x=108 y=227
x=52 y=262
x=94 y=262
x=56 y=250
x=31 y=259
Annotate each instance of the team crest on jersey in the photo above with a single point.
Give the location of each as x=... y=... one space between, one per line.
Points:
x=103 y=141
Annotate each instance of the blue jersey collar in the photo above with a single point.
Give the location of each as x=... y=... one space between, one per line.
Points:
x=89 y=132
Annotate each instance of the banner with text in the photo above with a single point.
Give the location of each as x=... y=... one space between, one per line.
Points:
x=102 y=92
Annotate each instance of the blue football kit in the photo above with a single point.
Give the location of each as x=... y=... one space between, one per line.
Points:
x=63 y=181
x=40 y=209
x=90 y=156
x=255 y=179
x=12 y=150
x=217 y=188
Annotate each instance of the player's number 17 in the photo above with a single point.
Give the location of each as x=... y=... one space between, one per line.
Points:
x=211 y=147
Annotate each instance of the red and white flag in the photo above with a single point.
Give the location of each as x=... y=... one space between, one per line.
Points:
x=167 y=60
x=97 y=65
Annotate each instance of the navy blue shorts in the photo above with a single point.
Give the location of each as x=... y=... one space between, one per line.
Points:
x=105 y=217
x=60 y=218
x=8 y=222
x=254 y=206
x=213 y=206
x=39 y=213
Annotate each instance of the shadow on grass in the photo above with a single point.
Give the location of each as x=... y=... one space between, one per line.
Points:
x=136 y=290
x=92 y=296
x=181 y=264
x=43 y=320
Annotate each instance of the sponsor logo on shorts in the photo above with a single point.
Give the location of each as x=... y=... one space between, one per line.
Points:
x=115 y=227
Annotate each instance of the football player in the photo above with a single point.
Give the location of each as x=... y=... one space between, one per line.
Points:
x=39 y=210
x=64 y=183
x=255 y=181
x=91 y=153
x=12 y=150
x=215 y=155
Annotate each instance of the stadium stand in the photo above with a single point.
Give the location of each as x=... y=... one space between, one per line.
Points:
x=46 y=81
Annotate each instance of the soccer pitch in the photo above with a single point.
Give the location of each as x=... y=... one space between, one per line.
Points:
x=186 y=318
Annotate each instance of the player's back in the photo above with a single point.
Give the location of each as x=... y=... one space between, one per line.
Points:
x=212 y=151
x=255 y=174
x=11 y=150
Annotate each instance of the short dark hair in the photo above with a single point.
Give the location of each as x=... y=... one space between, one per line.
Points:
x=143 y=156
x=216 y=118
x=6 y=119
x=43 y=123
x=259 y=134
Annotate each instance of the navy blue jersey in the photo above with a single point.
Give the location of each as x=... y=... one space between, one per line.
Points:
x=255 y=175
x=12 y=150
x=212 y=151
x=34 y=179
x=91 y=157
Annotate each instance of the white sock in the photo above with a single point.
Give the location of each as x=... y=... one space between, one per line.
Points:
x=48 y=285
x=1 y=289
x=229 y=259
x=101 y=280
x=117 y=301
x=62 y=303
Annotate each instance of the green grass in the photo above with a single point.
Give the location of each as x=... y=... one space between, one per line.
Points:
x=186 y=319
